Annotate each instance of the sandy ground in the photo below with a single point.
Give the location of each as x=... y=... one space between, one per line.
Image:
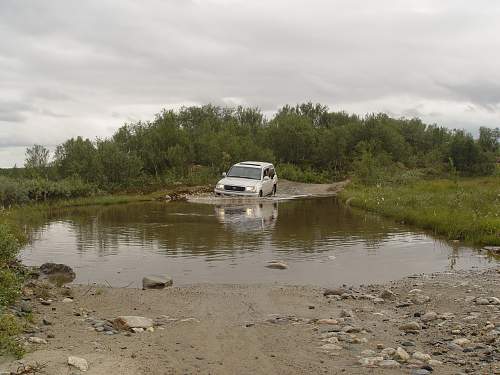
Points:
x=272 y=329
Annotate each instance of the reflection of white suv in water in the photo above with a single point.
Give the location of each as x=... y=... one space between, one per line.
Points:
x=248 y=179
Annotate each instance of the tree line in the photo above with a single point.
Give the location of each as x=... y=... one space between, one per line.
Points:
x=305 y=140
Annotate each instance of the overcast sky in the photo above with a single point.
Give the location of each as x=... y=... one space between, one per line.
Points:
x=72 y=68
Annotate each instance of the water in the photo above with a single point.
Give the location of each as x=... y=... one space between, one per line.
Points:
x=323 y=242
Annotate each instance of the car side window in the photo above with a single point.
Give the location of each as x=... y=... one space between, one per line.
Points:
x=266 y=172
x=271 y=173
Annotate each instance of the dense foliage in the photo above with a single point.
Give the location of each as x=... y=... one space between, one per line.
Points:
x=308 y=141
x=10 y=287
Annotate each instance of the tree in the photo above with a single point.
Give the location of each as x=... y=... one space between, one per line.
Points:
x=37 y=161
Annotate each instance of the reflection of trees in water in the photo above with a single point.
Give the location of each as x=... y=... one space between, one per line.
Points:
x=175 y=229
x=305 y=224
x=312 y=225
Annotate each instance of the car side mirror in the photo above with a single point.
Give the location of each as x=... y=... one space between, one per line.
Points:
x=224 y=174
x=266 y=178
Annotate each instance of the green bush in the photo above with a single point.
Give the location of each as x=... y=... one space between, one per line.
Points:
x=21 y=191
x=293 y=173
x=10 y=327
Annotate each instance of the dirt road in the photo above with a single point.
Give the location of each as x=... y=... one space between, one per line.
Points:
x=452 y=325
x=286 y=190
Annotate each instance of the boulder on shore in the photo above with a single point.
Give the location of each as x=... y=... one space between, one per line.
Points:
x=129 y=322
x=58 y=272
x=80 y=363
x=277 y=265
x=156 y=282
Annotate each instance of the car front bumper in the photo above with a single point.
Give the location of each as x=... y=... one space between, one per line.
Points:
x=229 y=193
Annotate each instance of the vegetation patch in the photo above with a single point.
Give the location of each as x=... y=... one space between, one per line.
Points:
x=463 y=208
x=11 y=278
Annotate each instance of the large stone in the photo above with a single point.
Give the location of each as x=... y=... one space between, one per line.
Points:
x=389 y=363
x=370 y=361
x=80 y=363
x=130 y=322
x=422 y=357
x=419 y=299
x=156 y=282
x=429 y=316
x=410 y=327
x=277 y=265
x=334 y=292
x=387 y=294
x=57 y=272
x=461 y=341
x=482 y=301
x=37 y=340
x=401 y=355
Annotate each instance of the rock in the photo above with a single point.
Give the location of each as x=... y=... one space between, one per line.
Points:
x=331 y=347
x=401 y=355
x=429 y=316
x=482 y=301
x=420 y=371
x=346 y=313
x=57 y=272
x=277 y=265
x=156 y=282
x=494 y=301
x=67 y=300
x=25 y=307
x=137 y=330
x=370 y=361
x=37 y=340
x=419 y=299
x=80 y=363
x=410 y=327
x=388 y=352
x=387 y=294
x=422 y=357
x=368 y=353
x=389 y=363
x=328 y=321
x=334 y=292
x=434 y=362
x=46 y=322
x=129 y=322
x=461 y=342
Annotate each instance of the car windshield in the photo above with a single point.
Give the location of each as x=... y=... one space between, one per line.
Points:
x=244 y=172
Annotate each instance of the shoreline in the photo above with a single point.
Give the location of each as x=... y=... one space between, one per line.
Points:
x=452 y=326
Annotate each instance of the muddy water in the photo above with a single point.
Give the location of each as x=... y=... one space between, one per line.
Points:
x=323 y=243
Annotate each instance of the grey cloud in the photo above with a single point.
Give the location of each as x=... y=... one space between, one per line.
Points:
x=83 y=67
x=482 y=93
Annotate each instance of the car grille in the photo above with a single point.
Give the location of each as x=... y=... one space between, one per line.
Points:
x=234 y=188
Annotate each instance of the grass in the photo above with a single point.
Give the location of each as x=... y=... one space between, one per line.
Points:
x=465 y=209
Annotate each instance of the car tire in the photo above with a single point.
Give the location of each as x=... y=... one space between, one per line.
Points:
x=260 y=194
x=274 y=190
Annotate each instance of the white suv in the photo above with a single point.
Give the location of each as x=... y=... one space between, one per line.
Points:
x=248 y=179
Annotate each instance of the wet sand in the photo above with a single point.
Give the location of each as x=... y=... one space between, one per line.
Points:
x=274 y=329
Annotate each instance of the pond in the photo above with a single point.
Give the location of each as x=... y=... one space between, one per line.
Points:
x=322 y=241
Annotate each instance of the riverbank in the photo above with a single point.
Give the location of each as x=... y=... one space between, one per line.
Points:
x=465 y=209
x=447 y=322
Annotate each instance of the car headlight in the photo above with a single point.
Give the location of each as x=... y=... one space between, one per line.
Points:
x=250 y=188
x=219 y=186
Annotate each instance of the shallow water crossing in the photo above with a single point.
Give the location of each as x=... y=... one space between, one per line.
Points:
x=322 y=242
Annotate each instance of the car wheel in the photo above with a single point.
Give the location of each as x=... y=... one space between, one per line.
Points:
x=260 y=194
x=274 y=190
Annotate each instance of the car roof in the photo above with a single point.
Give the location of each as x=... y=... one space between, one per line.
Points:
x=259 y=164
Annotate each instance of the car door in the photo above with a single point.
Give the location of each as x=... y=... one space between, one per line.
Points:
x=267 y=184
